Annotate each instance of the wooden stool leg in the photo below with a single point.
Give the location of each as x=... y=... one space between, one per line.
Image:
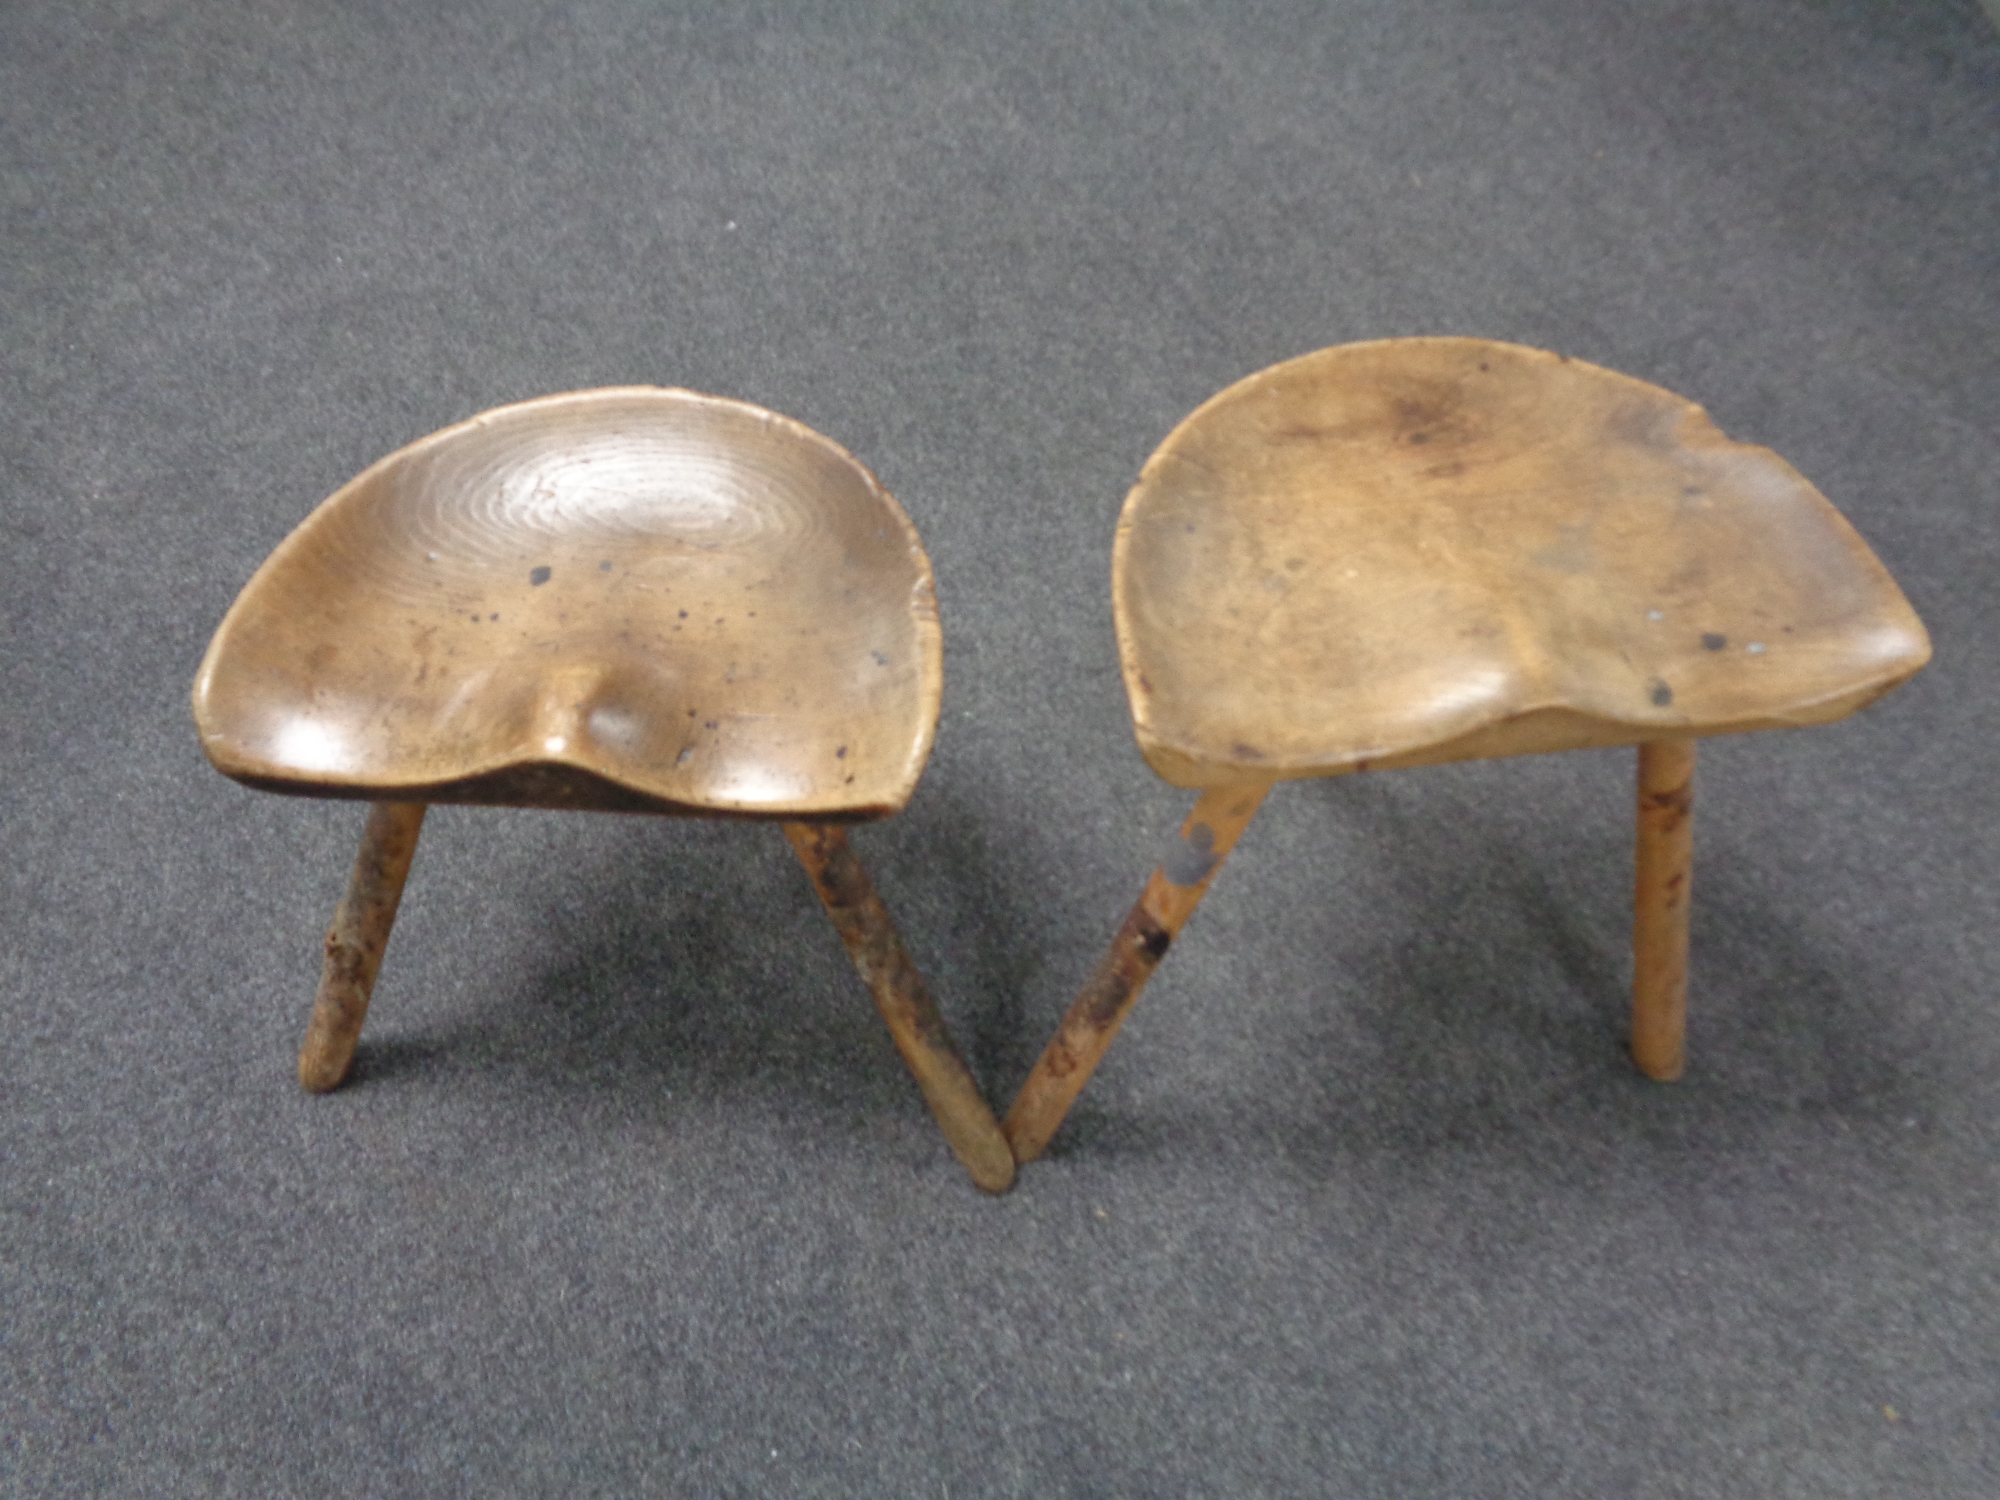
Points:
x=355 y=942
x=1100 y=1008
x=1663 y=890
x=892 y=978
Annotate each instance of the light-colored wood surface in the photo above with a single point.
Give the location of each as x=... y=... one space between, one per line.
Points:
x=1177 y=885
x=1425 y=550
x=905 y=1003
x=1416 y=551
x=637 y=599
x=356 y=941
x=1663 y=896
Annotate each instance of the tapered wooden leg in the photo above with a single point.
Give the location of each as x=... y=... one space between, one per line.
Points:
x=355 y=942
x=1664 y=887
x=1100 y=1008
x=892 y=978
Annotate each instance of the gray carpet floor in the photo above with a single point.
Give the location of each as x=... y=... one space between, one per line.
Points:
x=630 y=1194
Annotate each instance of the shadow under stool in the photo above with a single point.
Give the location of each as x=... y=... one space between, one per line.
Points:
x=1416 y=551
x=630 y=600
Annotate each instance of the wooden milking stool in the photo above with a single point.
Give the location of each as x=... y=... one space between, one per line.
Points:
x=630 y=600
x=1417 y=551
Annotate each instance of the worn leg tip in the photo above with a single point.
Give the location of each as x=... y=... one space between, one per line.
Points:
x=982 y=1151
x=992 y=1179
x=321 y=1073
x=1660 y=1070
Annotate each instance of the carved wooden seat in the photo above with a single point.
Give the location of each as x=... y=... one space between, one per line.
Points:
x=1416 y=551
x=634 y=600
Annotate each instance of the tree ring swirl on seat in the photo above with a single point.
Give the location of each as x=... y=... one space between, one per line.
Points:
x=632 y=599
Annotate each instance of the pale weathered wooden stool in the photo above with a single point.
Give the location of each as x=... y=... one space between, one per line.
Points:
x=1417 y=551
x=630 y=600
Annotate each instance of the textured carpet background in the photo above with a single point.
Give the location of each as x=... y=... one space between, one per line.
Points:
x=630 y=1194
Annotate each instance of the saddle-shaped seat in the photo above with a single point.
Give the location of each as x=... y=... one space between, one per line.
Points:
x=632 y=600
x=1416 y=551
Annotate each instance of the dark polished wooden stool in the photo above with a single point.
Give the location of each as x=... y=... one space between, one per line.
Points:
x=1416 y=551
x=631 y=600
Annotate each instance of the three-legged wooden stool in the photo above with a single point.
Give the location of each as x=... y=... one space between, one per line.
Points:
x=631 y=600
x=1417 y=551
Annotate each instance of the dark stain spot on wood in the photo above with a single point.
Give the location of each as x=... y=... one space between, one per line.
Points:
x=841 y=753
x=1710 y=641
x=604 y=567
x=1192 y=857
x=538 y=576
x=1665 y=812
x=880 y=659
x=1246 y=752
x=1660 y=693
x=1107 y=994
x=1419 y=413
x=492 y=617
